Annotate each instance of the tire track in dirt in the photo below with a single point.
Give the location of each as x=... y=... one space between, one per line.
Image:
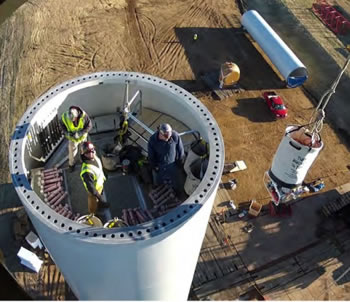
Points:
x=10 y=103
x=198 y=15
x=148 y=35
x=96 y=51
x=76 y=51
x=143 y=31
x=173 y=53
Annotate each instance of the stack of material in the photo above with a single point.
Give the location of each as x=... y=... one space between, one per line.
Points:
x=136 y=216
x=52 y=187
x=164 y=199
x=336 y=205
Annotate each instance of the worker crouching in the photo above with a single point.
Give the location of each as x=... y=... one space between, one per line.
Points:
x=165 y=153
x=93 y=179
x=75 y=124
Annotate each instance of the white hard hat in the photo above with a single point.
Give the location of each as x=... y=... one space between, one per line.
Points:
x=165 y=128
x=73 y=112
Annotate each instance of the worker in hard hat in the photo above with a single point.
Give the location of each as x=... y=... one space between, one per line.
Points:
x=93 y=179
x=75 y=124
x=165 y=152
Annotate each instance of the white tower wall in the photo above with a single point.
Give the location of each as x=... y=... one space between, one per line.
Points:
x=150 y=261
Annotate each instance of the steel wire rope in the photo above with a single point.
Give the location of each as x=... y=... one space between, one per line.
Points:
x=319 y=114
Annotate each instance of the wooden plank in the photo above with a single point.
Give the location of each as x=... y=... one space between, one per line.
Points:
x=278 y=275
x=221 y=255
x=295 y=289
x=228 y=247
x=211 y=264
x=295 y=293
x=341 y=293
x=310 y=257
x=48 y=284
x=220 y=284
x=224 y=261
x=317 y=286
x=208 y=268
x=219 y=234
x=211 y=80
x=344 y=239
x=226 y=295
x=277 y=294
x=345 y=188
x=200 y=276
x=210 y=237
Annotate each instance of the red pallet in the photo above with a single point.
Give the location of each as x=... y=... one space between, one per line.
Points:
x=334 y=20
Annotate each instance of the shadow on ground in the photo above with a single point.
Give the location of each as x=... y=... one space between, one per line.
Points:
x=322 y=67
x=254 y=109
x=215 y=46
x=282 y=253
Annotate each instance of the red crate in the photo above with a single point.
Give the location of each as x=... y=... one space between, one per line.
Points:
x=334 y=20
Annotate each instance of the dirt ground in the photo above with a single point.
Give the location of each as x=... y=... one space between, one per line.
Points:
x=46 y=42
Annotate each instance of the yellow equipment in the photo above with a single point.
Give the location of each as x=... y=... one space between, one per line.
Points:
x=229 y=74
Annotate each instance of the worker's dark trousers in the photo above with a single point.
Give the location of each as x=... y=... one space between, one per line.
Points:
x=165 y=174
x=104 y=214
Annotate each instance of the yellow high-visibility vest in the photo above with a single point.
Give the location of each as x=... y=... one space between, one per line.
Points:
x=97 y=172
x=71 y=128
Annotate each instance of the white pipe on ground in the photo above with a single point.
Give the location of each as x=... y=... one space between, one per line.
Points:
x=287 y=63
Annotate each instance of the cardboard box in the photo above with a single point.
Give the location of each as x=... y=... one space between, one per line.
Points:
x=254 y=208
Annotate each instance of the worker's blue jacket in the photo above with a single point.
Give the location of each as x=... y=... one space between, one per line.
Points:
x=162 y=153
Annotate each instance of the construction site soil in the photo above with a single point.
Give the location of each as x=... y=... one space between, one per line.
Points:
x=47 y=42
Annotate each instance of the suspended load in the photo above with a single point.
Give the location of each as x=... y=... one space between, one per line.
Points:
x=229 y=74
x=295 y=155
x=297 y=151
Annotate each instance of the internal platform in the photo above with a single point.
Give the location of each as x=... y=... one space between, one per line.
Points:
x=124 y=190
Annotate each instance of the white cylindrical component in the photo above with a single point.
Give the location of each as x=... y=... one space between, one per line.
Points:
x=287 y=63
x=292 y=160
x=157 y=268
x=154 y=260
x=191 y=157
x=199 y=148
x=191 y=183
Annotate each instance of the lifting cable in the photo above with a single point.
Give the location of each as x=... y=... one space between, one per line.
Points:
x=318 y=116
x=298 y=150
